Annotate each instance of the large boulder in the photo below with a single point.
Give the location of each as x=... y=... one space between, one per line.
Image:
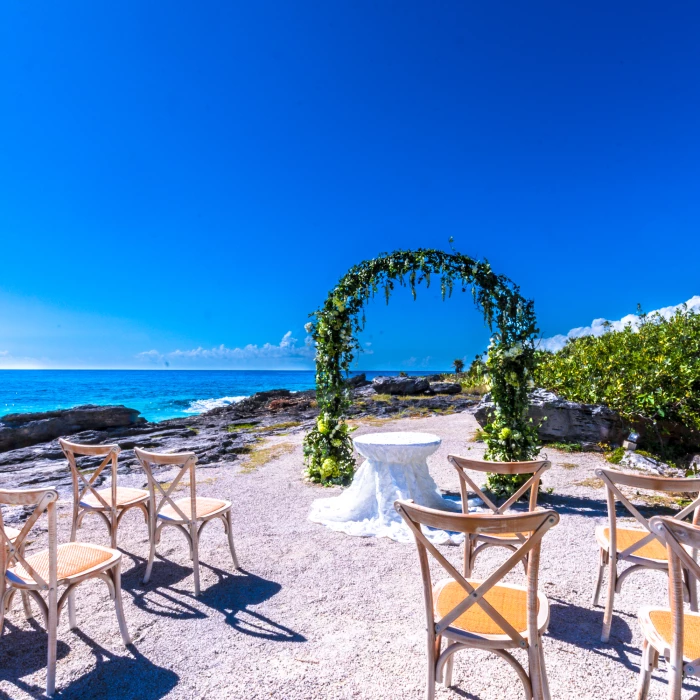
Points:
x=403 y=386
x=25 y=429
x=566 y=421
x=359 y=380
x=445 y=388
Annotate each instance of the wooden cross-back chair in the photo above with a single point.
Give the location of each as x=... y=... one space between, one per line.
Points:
x=641 y=547
x=486 y=614
x=671 y=632
x=10 y=535
x=110 y=503
x=473 y=544
x=60 y=565
x=189 y=515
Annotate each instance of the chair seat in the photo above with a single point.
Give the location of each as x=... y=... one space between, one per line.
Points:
x=73 y=559
x=626 y=537
x=125 y=497
x=507 y=537
x=509 y=600
x=205 y=507
x=657 y=624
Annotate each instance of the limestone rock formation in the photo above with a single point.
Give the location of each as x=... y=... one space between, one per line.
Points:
x=26 y=429
x=402 y=386
x=560 y=420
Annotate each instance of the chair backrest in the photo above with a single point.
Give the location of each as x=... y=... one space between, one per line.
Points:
x=186 y=461
x=12 y=551
x=677 y=536
x=533 y=524
x=83 y=485
x=614 y=479
x=536 y=468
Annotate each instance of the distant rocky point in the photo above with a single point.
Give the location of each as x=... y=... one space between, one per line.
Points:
x=26 y=429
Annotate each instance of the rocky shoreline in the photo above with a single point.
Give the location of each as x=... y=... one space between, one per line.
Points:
x=223 y=435
x=30 y=455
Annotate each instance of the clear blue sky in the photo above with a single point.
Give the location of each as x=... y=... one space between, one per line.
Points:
x=181 y=175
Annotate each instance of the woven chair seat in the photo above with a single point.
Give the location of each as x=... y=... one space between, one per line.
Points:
x=662 y=622
x=627 y=537
x=509 y=601
x=125 y=497
x=73 y=559
x=11 y=533
x=498 y=536
x=205 y=507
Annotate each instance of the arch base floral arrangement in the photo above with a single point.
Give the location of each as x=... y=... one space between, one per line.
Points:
x=510 y=436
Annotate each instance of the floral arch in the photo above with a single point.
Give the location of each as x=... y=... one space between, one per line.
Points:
x=510 y=436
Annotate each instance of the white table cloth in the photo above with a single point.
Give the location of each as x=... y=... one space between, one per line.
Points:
x=395 y=467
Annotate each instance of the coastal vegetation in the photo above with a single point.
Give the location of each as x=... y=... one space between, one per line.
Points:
x=649 y=374
x=510 y=436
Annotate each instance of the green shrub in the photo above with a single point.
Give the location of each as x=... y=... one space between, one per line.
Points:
x=615 y=457
x=648 y=375
x=566 y=446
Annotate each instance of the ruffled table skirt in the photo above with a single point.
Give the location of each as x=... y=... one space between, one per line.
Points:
x=395 y=469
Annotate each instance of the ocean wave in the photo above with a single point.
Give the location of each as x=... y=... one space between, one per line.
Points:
x=204 y=405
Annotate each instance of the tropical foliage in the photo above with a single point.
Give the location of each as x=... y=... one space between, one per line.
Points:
x=458 y=365
x=335 y=326
x=648 y=374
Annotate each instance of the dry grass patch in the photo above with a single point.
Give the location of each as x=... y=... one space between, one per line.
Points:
x=567 y=465
x=280 y=426
x=260 y=457
x=374 y=421
x=591 y=483
x=240 y=427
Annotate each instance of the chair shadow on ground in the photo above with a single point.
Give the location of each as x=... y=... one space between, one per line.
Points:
x=582 y=627
x=119 y=677
x=234 y=595
x=597 y=507
x=23 y=652
x=575 y=505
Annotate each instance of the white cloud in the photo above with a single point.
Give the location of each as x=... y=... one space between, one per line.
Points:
x=9 y=361
x=288 y=348
x=600 y=325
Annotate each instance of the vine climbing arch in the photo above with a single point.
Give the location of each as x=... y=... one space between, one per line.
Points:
x=510 y=436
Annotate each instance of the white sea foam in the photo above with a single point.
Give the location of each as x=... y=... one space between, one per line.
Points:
x=204 y=405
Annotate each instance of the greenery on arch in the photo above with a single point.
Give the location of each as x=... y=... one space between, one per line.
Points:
x=510 y=436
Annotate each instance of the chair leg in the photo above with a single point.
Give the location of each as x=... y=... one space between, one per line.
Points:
x=117 y=578
x=3 y=598
x=152 y=549
x=28 y=614
x=468 y=548
x=432 y=660
x=543 y=673
x=72 y=624
x=449 y=664
x=113 y=528
x=599 y=582
x=647 y=665
x=74 y=524
x=534 y=669
x=612 y=583
x=229 y=529
x=195 y=555
x=51 y=628
x=691 y=585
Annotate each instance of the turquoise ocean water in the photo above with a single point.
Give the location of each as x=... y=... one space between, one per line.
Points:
x=158 y=394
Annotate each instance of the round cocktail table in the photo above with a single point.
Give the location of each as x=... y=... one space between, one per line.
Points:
x=395 y=467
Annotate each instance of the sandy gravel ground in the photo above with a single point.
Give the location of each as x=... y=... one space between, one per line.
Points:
x=317 y=614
